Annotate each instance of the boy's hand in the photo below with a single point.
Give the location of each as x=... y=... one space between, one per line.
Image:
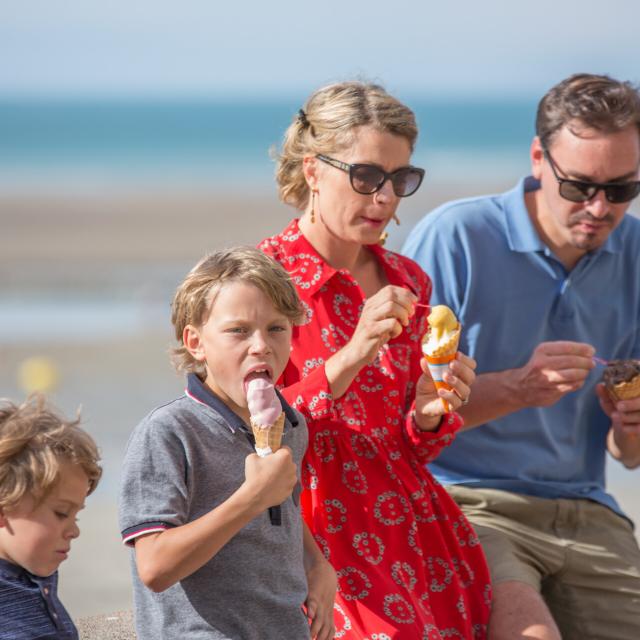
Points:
x=270 y=479
x=322 y=584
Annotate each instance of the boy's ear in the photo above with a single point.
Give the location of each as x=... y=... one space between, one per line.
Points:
x=192 y=342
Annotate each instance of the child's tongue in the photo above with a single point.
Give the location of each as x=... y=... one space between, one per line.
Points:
x=264 y=405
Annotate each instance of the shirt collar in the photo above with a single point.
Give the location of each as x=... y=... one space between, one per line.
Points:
x=522 y=235
x=297 y=250
x=15 y=572
x=198 y=391
x=521 y=232
x=11 y=570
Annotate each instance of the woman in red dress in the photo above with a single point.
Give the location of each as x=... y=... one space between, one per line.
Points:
x=409 y=565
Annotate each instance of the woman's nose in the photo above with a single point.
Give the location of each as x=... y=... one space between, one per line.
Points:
x=385 y=193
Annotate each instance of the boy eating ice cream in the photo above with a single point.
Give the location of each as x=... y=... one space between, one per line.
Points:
x=213 y=558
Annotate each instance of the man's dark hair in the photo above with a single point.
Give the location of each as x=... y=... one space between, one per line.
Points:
x=591 y=101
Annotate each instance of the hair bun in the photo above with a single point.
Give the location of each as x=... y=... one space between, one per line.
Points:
x=302 y=118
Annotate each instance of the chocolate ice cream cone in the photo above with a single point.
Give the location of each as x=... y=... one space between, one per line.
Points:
x=622 y=379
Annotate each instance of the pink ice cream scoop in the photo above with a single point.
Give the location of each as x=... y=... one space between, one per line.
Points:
x=264 y=405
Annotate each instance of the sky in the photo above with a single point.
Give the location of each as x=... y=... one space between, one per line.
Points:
x=219 y=48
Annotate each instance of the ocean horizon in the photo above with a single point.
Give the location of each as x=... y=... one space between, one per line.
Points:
x=124 y=142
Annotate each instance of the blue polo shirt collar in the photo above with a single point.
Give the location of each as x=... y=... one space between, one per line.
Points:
x=197 y=390
x=521 y=232
x=522 y=235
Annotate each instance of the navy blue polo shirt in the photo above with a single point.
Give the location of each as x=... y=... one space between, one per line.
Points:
x=29 y=606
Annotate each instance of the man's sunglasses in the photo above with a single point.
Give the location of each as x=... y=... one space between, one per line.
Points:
x=581 y=191
x=367 y=178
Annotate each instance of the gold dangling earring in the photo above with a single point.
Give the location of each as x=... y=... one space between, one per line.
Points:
x=313 y=202
x=385 y=234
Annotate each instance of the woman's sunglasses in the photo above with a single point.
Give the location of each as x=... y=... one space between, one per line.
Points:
x=580 y=191
x=367 y=178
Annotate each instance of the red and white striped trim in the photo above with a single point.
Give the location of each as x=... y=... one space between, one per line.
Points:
x=128 y=540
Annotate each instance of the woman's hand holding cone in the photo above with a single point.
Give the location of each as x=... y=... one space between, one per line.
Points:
x=430 y=408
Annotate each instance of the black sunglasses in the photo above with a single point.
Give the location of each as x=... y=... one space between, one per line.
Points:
x=581 y=191
x=367 y=178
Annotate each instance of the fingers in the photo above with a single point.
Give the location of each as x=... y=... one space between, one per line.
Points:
x=391 y=302
x=322 y=626
x=566 y=347
x=626 y=414
x=460 y=377
x=564 y=355
x=398 y=295
x=322 y=629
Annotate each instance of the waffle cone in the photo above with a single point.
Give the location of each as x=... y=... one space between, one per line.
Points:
x=438 y=361
x=625 y=390
x=268 y=438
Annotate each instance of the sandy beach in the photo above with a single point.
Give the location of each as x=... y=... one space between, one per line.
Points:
x=131 y=248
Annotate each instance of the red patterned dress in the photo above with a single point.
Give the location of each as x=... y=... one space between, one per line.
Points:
x=409 y=564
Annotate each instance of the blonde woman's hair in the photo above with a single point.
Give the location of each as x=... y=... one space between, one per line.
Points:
x=35 y=440
x=327 y=123
x=195 y=296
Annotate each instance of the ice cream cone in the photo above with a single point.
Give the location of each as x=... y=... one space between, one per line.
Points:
x=622 y=379
x=268 y=438
x=438 y=361
x=627 y=390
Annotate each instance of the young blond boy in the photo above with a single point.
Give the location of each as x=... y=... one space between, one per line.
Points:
x=214 y=556
x=48 y=466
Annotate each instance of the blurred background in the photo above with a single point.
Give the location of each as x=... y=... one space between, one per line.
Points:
x=135 y=137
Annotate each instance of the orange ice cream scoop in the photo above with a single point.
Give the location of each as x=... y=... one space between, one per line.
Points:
x=443 y=334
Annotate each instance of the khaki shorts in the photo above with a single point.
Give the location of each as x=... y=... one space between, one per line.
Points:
x=580 y=555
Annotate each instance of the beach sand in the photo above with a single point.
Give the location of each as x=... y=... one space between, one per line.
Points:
x=135 y=246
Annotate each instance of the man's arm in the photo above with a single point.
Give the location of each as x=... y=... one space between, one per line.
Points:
x=623 y=439
x=164 y=558
x=554 y=369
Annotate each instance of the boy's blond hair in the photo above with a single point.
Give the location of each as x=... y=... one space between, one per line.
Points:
x=34 y=441
x=194 y=297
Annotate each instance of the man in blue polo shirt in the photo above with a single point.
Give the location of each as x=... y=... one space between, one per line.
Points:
x=544 y=278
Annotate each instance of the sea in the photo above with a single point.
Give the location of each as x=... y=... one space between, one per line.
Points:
x=78 y=143
x=99 y=146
